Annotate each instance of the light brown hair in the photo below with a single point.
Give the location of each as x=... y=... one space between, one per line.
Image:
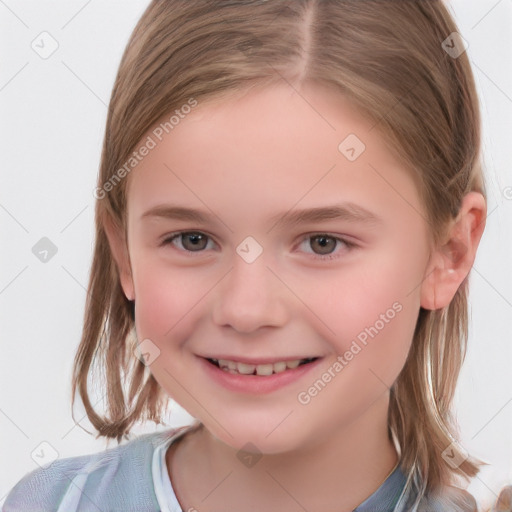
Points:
x=387 y=57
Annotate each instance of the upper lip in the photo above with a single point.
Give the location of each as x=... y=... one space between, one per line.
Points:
x=259 y=360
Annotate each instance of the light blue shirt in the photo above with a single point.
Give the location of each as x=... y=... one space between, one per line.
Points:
x=133 y=477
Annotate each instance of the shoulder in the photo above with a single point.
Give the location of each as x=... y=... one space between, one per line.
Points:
x=447 y=498
x=450 y=498
x=118 y=477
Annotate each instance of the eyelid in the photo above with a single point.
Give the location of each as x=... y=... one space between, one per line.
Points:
x=330 y=256
x=170 y=237
x=345 y=240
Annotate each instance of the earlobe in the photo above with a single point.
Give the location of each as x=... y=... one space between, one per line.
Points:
x=450 y=263
x=119 y=249
x=442 y=280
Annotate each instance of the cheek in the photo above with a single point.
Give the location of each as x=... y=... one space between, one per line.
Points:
x=370 y=309
x=165 y=300
x=383 y=311
x=352 y=299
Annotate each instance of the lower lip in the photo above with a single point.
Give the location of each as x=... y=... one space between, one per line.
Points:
x=257 y=383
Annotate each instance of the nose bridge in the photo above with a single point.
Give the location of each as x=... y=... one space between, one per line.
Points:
x=250 y=296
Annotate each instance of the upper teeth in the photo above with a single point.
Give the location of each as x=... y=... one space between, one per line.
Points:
x=261 y=369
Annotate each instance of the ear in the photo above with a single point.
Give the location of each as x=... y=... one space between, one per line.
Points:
x=451 y=262
x=119 y=248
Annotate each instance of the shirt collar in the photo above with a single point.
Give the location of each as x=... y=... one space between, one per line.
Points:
x=386 y=497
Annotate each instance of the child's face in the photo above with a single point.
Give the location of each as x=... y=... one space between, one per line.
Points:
x=245 y=163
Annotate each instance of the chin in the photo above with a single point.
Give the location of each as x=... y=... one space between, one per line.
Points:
x=259 y=437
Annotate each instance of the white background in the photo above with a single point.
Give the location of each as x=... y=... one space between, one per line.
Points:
x=53 y=113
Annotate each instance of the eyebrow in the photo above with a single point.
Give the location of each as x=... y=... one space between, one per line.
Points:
x=348 y=212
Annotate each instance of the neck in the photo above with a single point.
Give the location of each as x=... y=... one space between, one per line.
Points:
x=335 y=472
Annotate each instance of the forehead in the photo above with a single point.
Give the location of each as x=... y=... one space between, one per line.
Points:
x=270 y=147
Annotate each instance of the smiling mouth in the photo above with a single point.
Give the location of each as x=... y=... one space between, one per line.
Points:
x=259 y=369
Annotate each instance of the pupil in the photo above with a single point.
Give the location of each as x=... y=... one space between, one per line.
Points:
x=325 y=242
x=195 y=239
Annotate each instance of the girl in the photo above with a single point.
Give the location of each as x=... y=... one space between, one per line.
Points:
x=289 y=204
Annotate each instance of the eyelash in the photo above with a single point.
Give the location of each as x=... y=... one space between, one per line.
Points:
x=348 y=244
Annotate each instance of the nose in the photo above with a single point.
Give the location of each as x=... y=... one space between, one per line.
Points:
x=250 y=297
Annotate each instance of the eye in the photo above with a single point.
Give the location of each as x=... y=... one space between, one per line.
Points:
x=323 y=244
x=188 y=241
x=326 y=244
